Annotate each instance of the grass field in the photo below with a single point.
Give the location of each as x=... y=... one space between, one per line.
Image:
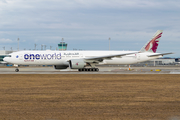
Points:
x=89 y=97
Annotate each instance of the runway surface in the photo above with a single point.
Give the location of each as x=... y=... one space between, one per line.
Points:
x=102 y=70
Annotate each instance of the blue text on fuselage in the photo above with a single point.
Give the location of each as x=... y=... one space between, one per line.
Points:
x=42 y=56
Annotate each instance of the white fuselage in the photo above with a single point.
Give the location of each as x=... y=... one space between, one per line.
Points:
x=62 y=57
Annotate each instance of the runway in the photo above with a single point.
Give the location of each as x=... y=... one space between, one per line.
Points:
x=102 y=70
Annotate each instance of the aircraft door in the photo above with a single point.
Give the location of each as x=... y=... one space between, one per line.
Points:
x=138 y=56
x=20 y=57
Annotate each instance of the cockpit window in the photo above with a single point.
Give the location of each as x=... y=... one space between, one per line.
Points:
x=8 y=56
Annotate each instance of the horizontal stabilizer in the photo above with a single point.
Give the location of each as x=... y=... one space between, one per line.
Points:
x=158 y=54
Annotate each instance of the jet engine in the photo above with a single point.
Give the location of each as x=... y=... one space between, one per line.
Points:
x=60 y=67
x=77 y=63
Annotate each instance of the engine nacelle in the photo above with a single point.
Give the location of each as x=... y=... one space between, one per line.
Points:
x=60 y=67
x=77 y=63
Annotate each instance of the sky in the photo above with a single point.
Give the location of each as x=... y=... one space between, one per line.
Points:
x=88 y=24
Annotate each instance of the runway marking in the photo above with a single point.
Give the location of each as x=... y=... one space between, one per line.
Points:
x=174 y=72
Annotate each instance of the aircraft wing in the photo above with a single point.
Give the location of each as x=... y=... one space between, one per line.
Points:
x=3 y=62
x=158 y=54
x=101 y=58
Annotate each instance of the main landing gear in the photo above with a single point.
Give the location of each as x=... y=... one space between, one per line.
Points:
x=88 y=70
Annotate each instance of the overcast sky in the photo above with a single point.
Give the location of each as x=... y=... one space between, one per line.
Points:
x=88 y=24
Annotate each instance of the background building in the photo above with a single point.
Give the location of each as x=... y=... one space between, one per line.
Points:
x=3 y=53
x=62 y=46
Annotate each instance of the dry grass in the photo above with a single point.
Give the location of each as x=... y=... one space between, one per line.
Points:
x=55 y=97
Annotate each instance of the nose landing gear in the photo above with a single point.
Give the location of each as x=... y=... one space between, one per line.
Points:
x=16 y=70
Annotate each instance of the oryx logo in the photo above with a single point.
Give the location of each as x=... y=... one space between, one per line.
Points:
x=77 y=64
x=42 y=56
x=153 y=44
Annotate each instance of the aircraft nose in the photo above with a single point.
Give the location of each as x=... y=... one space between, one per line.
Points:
x=5 y=59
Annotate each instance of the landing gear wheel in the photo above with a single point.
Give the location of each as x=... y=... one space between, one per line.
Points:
x=97 y=69
x=16 y=70
x=88 y=70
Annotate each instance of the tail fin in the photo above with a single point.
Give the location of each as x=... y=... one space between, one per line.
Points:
x=152 y=44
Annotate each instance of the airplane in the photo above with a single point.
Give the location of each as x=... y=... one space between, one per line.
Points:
x=86 y=60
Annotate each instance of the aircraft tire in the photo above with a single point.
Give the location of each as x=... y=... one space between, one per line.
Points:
x=97 y=69
x=16 y=70
x=88 y=70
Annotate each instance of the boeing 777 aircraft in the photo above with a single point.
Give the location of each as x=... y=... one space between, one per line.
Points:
x=82 y=59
